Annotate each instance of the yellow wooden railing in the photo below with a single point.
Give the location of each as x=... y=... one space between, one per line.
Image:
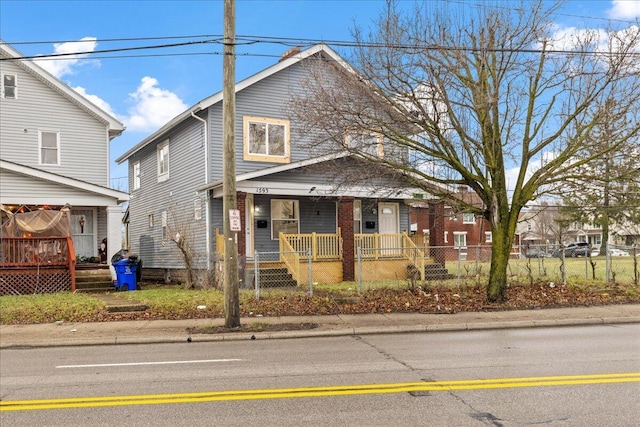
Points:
x=290 y=257
x=323 y=246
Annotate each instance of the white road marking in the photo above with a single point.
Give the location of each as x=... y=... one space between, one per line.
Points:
x=171 y=362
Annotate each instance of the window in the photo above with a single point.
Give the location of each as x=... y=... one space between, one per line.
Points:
x=285 y=216
x=150 y=220
x=9 y=85
x=49 y=148
x=165 y=226
x=163 y=161
x=197 y=209
x=357 y=216
x=369 y=143
x=488 y=237
x=468 y=218
x=136 y=175
x=446 y=237
x=459 y=239
x=266 y=140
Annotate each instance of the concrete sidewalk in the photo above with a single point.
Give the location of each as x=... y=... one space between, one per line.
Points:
x=175 y=331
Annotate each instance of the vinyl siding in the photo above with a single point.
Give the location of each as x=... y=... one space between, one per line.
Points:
x=175 y=195
x=83 y=139
x=266 y=98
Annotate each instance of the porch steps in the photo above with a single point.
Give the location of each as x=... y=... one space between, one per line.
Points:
x=91 y=280
x=436 y=271
x=276 y=277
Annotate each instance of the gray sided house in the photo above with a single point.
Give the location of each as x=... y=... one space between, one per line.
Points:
x=175 y=178
x=54 y=151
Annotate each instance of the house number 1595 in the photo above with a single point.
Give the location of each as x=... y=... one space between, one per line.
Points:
x=262 y=190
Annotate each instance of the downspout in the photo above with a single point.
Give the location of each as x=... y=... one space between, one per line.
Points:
x=206 y=181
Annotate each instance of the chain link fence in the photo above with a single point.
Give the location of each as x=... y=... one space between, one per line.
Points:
x=435 y=266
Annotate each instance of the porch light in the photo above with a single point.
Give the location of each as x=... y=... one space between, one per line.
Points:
x=81 y=221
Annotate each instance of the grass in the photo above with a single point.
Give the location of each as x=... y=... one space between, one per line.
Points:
x=61 y=306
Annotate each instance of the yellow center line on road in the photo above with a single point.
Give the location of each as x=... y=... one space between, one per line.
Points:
x=285 y=393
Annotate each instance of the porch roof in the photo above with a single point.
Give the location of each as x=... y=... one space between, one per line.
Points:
x=92 y=191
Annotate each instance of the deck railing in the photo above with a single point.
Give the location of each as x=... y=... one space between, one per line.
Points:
x=324 y=246
x=26 y=253
x=290 y=257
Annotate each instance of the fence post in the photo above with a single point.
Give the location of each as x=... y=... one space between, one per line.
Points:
x=256 y=274
x=359 y=261
x=459 y=264
x=310 y=272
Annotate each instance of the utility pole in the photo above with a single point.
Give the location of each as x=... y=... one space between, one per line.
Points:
x=229 y=201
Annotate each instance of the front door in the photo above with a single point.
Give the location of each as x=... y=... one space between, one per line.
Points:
x=83 y=232
x=388 y=218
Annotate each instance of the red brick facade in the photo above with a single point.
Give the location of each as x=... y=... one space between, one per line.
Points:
x=345 y=222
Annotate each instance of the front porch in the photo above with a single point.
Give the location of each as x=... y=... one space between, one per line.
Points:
x=322 y=258
x=30 y=265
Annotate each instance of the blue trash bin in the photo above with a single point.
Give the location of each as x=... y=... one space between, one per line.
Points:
x=126 y=275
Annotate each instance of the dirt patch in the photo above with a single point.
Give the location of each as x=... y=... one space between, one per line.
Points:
x=254 y=327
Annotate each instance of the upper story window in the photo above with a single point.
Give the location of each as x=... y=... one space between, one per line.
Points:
x=163 y=161
x=468 y=218
x=9 y=86
x=49 y=143
x=369 y=143
x=266 y=140
x=136 y=175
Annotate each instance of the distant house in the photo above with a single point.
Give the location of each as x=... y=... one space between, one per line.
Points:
x=466 y=235
x=55 y=152
x=286 y=195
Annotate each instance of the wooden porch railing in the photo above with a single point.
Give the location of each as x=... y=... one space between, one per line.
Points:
x=38 y=252
x=324 y=246
x=290 y=257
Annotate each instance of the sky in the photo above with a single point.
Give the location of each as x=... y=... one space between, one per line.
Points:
x=146 y=88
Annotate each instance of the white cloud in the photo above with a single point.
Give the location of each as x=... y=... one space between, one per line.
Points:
x=625 y=9
x=104 y=105
x=66 y=64
x=153 y=106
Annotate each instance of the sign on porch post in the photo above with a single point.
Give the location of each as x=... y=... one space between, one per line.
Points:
x=234 y=219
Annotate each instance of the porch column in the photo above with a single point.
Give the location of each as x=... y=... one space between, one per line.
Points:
x=114 y=230
x=436 y=231
x=241 y=198
x=345 y=222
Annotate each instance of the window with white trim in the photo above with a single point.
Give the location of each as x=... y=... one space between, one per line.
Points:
x=357 y=216
x=197 y=209
x=165 y=226
x=163 y=161
x=459 y=239
x=49 y=143
x=285 y=217
x=446 y=237
x=136 y=175
x=150 y=220
x=365 y=142
x=266 y=140
x=9 y=86
x=468 y=218
x=488 y=237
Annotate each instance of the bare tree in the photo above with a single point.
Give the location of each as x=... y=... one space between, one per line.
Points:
x=469 y=94
x=181 y=232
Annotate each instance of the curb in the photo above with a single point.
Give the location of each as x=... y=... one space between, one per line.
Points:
x=346 y=331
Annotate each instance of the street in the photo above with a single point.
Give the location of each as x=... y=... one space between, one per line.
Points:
x=571 y=376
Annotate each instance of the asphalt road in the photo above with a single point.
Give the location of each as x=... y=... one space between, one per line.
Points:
x=572 y=376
